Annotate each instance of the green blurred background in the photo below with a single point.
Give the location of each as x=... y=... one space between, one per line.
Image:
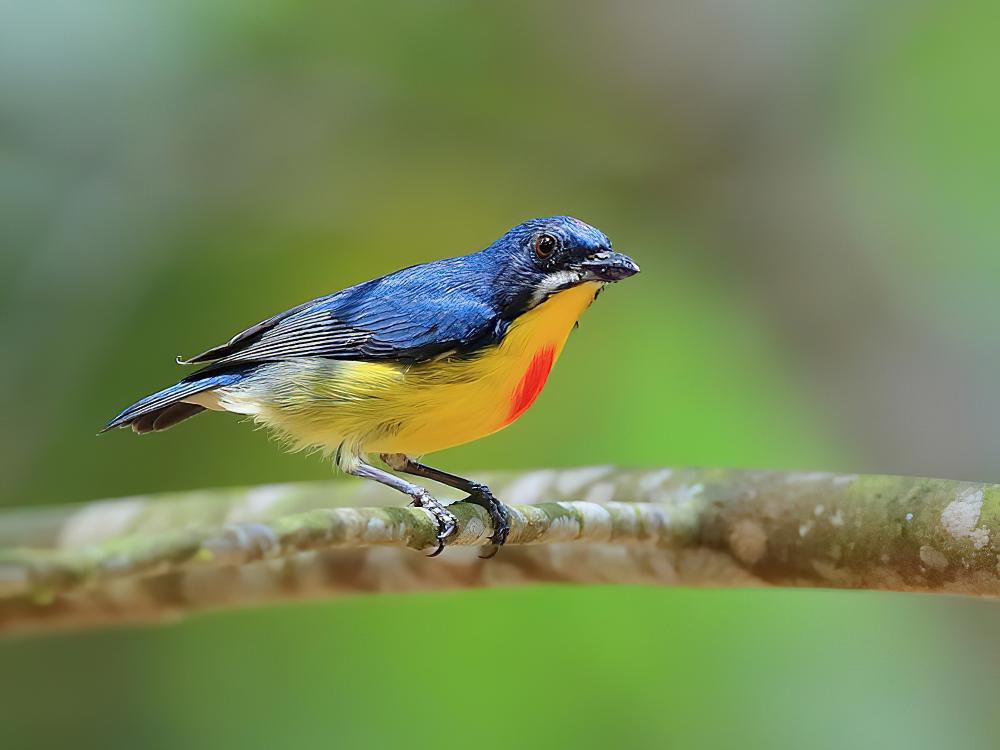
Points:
x=811 y=190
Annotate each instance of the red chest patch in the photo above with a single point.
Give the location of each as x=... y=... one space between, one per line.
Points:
x=531 y=384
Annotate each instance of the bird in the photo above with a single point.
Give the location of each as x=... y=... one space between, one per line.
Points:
x=426 y=358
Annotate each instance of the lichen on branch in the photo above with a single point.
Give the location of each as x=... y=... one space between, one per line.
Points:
x=150 y=558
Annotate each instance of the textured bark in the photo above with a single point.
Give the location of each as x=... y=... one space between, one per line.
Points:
x=148 y=559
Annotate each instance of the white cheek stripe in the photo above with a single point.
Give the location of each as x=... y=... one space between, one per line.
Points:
x=554 y=282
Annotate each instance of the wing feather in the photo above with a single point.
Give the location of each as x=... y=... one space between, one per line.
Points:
x=414 y=315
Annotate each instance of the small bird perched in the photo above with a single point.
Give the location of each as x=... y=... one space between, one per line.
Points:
x=423 y=359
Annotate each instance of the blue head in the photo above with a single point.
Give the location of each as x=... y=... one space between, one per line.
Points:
x=544 y=256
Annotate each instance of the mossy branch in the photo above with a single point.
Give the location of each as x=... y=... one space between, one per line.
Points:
x=148 y=559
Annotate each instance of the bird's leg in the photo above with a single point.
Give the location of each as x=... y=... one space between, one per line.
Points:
x=446 y=521
x=479 y=494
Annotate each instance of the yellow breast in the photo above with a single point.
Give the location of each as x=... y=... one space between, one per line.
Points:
x=452 y=402
x=369 y=407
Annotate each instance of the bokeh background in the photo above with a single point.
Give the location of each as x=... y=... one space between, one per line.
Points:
x=811 y=190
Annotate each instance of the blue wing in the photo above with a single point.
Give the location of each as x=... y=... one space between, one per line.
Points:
x=413 y=315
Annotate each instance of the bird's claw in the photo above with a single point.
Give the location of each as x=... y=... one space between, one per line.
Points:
x=446 y=521
x=499 y=516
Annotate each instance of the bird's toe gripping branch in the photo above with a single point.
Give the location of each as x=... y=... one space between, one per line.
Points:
x=481 y=495
x=446 y=521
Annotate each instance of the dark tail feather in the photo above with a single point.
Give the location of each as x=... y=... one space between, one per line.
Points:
x=166 y=408
x=166 y=417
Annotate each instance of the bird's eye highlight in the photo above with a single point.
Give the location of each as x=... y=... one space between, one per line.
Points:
x=545 y=246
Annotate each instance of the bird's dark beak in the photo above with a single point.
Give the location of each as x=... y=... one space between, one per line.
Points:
x=609 y=266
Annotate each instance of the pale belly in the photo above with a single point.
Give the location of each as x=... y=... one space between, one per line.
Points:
x=364 y=407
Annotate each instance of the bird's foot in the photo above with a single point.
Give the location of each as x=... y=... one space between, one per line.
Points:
x=446 y=521
x=499 y=515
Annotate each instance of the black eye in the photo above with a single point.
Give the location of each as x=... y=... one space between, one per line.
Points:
x=545 y=246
